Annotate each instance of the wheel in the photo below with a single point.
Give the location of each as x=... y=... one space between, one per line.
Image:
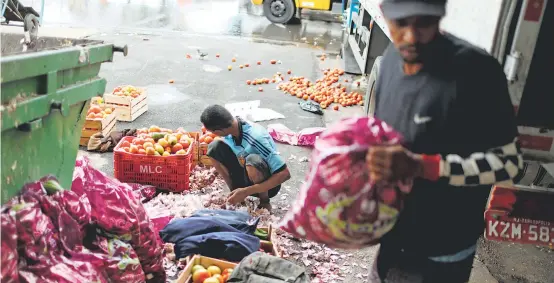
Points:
x=279 y=11
x=30 y=24
x=369 y=103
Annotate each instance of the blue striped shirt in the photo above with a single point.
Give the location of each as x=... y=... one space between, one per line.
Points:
x=255 y=139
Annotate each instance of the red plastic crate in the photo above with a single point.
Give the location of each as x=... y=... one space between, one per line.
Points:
x=165 y=172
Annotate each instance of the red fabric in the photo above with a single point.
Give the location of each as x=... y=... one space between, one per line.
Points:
x=431 y=166
x=339 y=205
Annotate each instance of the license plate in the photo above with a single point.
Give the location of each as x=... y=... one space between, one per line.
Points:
x=518 y=230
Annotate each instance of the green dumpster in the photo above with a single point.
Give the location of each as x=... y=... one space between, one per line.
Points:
x=46 y=87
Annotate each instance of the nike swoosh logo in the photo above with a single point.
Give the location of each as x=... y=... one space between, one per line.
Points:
x=421 y=120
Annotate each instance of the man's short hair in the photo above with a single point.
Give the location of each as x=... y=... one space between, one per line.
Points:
x=216 y=117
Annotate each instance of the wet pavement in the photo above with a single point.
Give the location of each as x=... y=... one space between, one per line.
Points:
x=209 y=17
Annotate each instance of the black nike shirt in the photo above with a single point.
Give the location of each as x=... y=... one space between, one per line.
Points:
x=457 y=104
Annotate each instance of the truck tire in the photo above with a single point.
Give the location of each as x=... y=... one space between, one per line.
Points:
x=369 y=100
x=30 y=24
x=279 y=11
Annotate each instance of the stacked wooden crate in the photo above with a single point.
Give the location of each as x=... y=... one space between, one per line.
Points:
x=128 y=105
x=93 y=125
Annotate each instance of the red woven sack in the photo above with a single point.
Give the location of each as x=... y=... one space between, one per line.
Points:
x=339 y=205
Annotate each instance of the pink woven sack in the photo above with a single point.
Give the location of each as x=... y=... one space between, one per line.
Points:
x=339 y=205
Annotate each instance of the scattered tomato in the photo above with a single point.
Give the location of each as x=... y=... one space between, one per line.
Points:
x=259 y=63
x=248 y=82
x=260 y=89
x=289 y=72
x=241 y=66
x=216 y=55
x=273 y=62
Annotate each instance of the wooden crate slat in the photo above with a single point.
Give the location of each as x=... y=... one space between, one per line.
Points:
x=127 y=109
x=83 y=141
x=93 y=124
x=105 y=126
x=207 y=161
x=99 y=123
x=127 y=116
x=123 y=100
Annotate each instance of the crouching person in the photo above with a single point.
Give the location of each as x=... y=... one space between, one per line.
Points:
x=245 y=157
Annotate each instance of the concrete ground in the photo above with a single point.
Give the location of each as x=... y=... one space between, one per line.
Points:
x=160 y=33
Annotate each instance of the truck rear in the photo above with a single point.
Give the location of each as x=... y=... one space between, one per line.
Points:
x=517 y=33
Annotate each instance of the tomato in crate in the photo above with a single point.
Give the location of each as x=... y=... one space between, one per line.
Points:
x=165 y=168
x=129 y=102
x=204 y=140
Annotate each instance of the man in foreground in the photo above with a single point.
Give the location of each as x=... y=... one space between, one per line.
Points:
x=450 y=101
x=246 y=157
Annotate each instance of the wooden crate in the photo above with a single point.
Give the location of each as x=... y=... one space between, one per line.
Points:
x=186 y=275
x=202 y=157
x=91 y=127
x=127 y=109
x=195 y=150
x=270 y=248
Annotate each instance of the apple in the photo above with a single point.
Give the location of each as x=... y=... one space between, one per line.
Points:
x=200 y=276
x=197 y=267
x=227 y=271
x=220 y=279
x=214 y=270
x=212 y=280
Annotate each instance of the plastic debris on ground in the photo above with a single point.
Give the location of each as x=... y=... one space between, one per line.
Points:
x=250 y=110
x=143 y=192
x=304 y=137
x=311 y=106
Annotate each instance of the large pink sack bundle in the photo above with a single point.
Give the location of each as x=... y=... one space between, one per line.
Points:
x=339 y=205
x=119 y=212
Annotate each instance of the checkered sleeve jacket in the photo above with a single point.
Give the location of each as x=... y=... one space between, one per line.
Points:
x=499 y=165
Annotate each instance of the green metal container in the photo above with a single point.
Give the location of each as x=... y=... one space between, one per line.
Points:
x=45 y=91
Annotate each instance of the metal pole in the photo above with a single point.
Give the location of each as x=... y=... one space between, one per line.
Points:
x=4 y=5
x=41 y=11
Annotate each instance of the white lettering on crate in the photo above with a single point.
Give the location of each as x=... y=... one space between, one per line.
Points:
x=148 y=169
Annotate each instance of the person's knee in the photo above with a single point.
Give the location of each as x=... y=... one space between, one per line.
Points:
x=217 y=146
x=254 y=174
x=254 y=159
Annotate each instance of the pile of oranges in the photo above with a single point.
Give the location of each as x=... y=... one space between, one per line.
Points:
x=325 y=91
x=158 y=142
x=96 y=112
